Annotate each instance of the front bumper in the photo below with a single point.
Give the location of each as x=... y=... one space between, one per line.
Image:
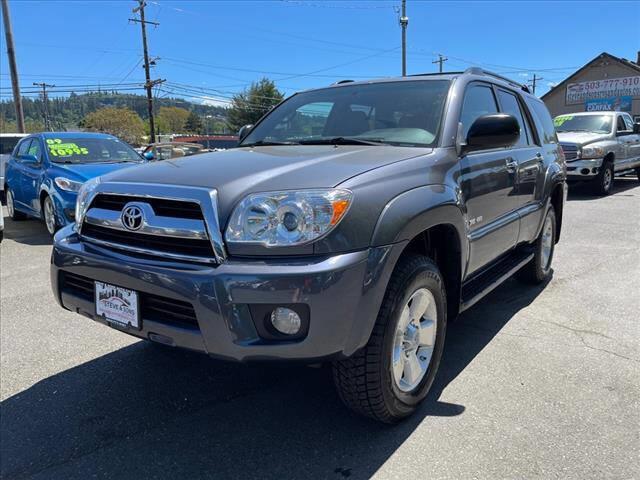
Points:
x=342 y=293
x=584 y=169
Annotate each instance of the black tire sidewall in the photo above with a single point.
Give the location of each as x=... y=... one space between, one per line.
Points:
x=541 y=272
x=601 y=189
x=403 y=403
x=46 y=199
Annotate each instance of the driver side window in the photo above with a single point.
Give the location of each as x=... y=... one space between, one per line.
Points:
x=478 y=101
x=35 y=149
x=621 y=127
x=23 y=148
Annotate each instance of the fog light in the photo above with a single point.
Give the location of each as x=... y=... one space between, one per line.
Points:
x=286 y=321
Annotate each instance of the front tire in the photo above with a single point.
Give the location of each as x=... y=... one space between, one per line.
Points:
x=49 y=216
x=603 y=182
x=11 y=208
x=538 y=270
x=393 y=373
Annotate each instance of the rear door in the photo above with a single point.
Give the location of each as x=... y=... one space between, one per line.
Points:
x=488 y=185
x=633 y=143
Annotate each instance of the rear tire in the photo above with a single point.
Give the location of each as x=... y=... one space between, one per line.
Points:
x=11 y=208
x=392 y=374
x=603 y=183
x=538 y=270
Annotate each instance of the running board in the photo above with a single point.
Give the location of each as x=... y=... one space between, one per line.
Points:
x=479 y=286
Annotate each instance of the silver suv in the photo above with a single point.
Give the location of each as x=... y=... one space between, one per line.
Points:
x=599 y=145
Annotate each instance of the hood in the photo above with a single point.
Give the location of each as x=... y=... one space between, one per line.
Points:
x=240 y=171
x=87 y=171
x=582 y=138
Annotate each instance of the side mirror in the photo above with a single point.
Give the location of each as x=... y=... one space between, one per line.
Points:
x=496 y=130
x=244 y=131
x=636 y=128
x=29 y=159
x=148 y=155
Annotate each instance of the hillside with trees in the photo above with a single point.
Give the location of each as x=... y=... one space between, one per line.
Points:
x=68 y=112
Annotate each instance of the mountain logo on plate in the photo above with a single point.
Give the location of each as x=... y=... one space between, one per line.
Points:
x=132 y=217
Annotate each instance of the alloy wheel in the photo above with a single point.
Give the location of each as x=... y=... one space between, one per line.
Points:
x=414 y=340
x=49 y=216
x=547 y=242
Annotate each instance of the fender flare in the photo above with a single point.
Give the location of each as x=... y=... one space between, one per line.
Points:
x=414 y=211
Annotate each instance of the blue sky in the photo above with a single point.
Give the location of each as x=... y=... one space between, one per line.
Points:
x=210 y=49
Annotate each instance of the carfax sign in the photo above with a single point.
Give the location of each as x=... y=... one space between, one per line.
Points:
x=615 y=104
x=609 y=87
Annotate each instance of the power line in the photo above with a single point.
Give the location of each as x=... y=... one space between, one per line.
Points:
x=534 y=81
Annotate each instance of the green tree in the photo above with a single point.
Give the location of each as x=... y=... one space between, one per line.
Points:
x=121 y=122
x=248 y=106
x=193 y=123
x=172 y=119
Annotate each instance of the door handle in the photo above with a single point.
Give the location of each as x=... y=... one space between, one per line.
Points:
x=512 y=165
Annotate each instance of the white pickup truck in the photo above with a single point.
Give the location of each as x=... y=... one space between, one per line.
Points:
x=598 y=146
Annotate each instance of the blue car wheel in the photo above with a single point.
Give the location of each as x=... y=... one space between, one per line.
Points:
x=49 y=215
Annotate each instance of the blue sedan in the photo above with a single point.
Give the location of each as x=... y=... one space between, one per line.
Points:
x=46 y=170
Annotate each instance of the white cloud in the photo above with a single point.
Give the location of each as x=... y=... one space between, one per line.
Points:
x=214 y=102
x=523 y=74
x=551 y=84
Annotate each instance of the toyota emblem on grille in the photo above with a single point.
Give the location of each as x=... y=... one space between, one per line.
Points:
x=132 y=217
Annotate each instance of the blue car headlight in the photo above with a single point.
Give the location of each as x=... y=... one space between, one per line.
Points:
x=67 y=184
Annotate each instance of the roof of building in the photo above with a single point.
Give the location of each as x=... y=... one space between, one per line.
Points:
x=603 y=55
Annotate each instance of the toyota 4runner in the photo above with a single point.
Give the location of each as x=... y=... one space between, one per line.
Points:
x=349 y=226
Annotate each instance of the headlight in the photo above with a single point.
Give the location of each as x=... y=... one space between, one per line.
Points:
x=67 y=185
x=592 y=152
x=280 y=219
x=84 y=198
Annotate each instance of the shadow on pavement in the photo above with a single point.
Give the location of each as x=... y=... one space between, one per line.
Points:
x=621 y=186
x=148 y=412
x=27 y=232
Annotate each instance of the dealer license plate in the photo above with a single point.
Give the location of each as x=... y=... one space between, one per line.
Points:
x=117 y=305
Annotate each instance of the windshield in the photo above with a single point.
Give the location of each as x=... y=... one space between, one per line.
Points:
x=396 y=113
x=90 y=150
x=583 y=123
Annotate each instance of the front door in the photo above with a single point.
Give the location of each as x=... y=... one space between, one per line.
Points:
x=488 y=184
x=31 y=173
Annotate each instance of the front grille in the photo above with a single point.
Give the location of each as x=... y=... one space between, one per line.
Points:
x=171 y=245
x=570 y=151
x=153 y=307
x=161 y=206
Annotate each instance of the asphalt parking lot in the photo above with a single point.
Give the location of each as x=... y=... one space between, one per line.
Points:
x=534 y=383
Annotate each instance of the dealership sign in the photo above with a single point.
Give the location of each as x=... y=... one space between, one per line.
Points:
x=615 y=104
x=609 y=87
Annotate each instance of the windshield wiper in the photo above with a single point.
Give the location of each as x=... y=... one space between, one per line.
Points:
x=267 y=143
x=342 y=141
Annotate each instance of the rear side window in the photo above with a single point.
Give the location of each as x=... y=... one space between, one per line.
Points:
x=478 y=101
x=510 y=105
x=543 y=120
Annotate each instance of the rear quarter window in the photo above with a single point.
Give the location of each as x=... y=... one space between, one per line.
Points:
x=543 y=120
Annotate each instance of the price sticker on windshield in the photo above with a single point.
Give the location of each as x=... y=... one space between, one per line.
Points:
x=59 y=149
x=561 y=119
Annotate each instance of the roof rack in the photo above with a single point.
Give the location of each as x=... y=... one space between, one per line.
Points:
x=482 y=71
x=433 y=74
x=340 y=82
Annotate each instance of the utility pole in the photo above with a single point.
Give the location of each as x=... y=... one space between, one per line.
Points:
x=45 y=102
x=149 y=84
x=441 y=60
x=11 y=53
x=535 y=80
x=404 y=21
